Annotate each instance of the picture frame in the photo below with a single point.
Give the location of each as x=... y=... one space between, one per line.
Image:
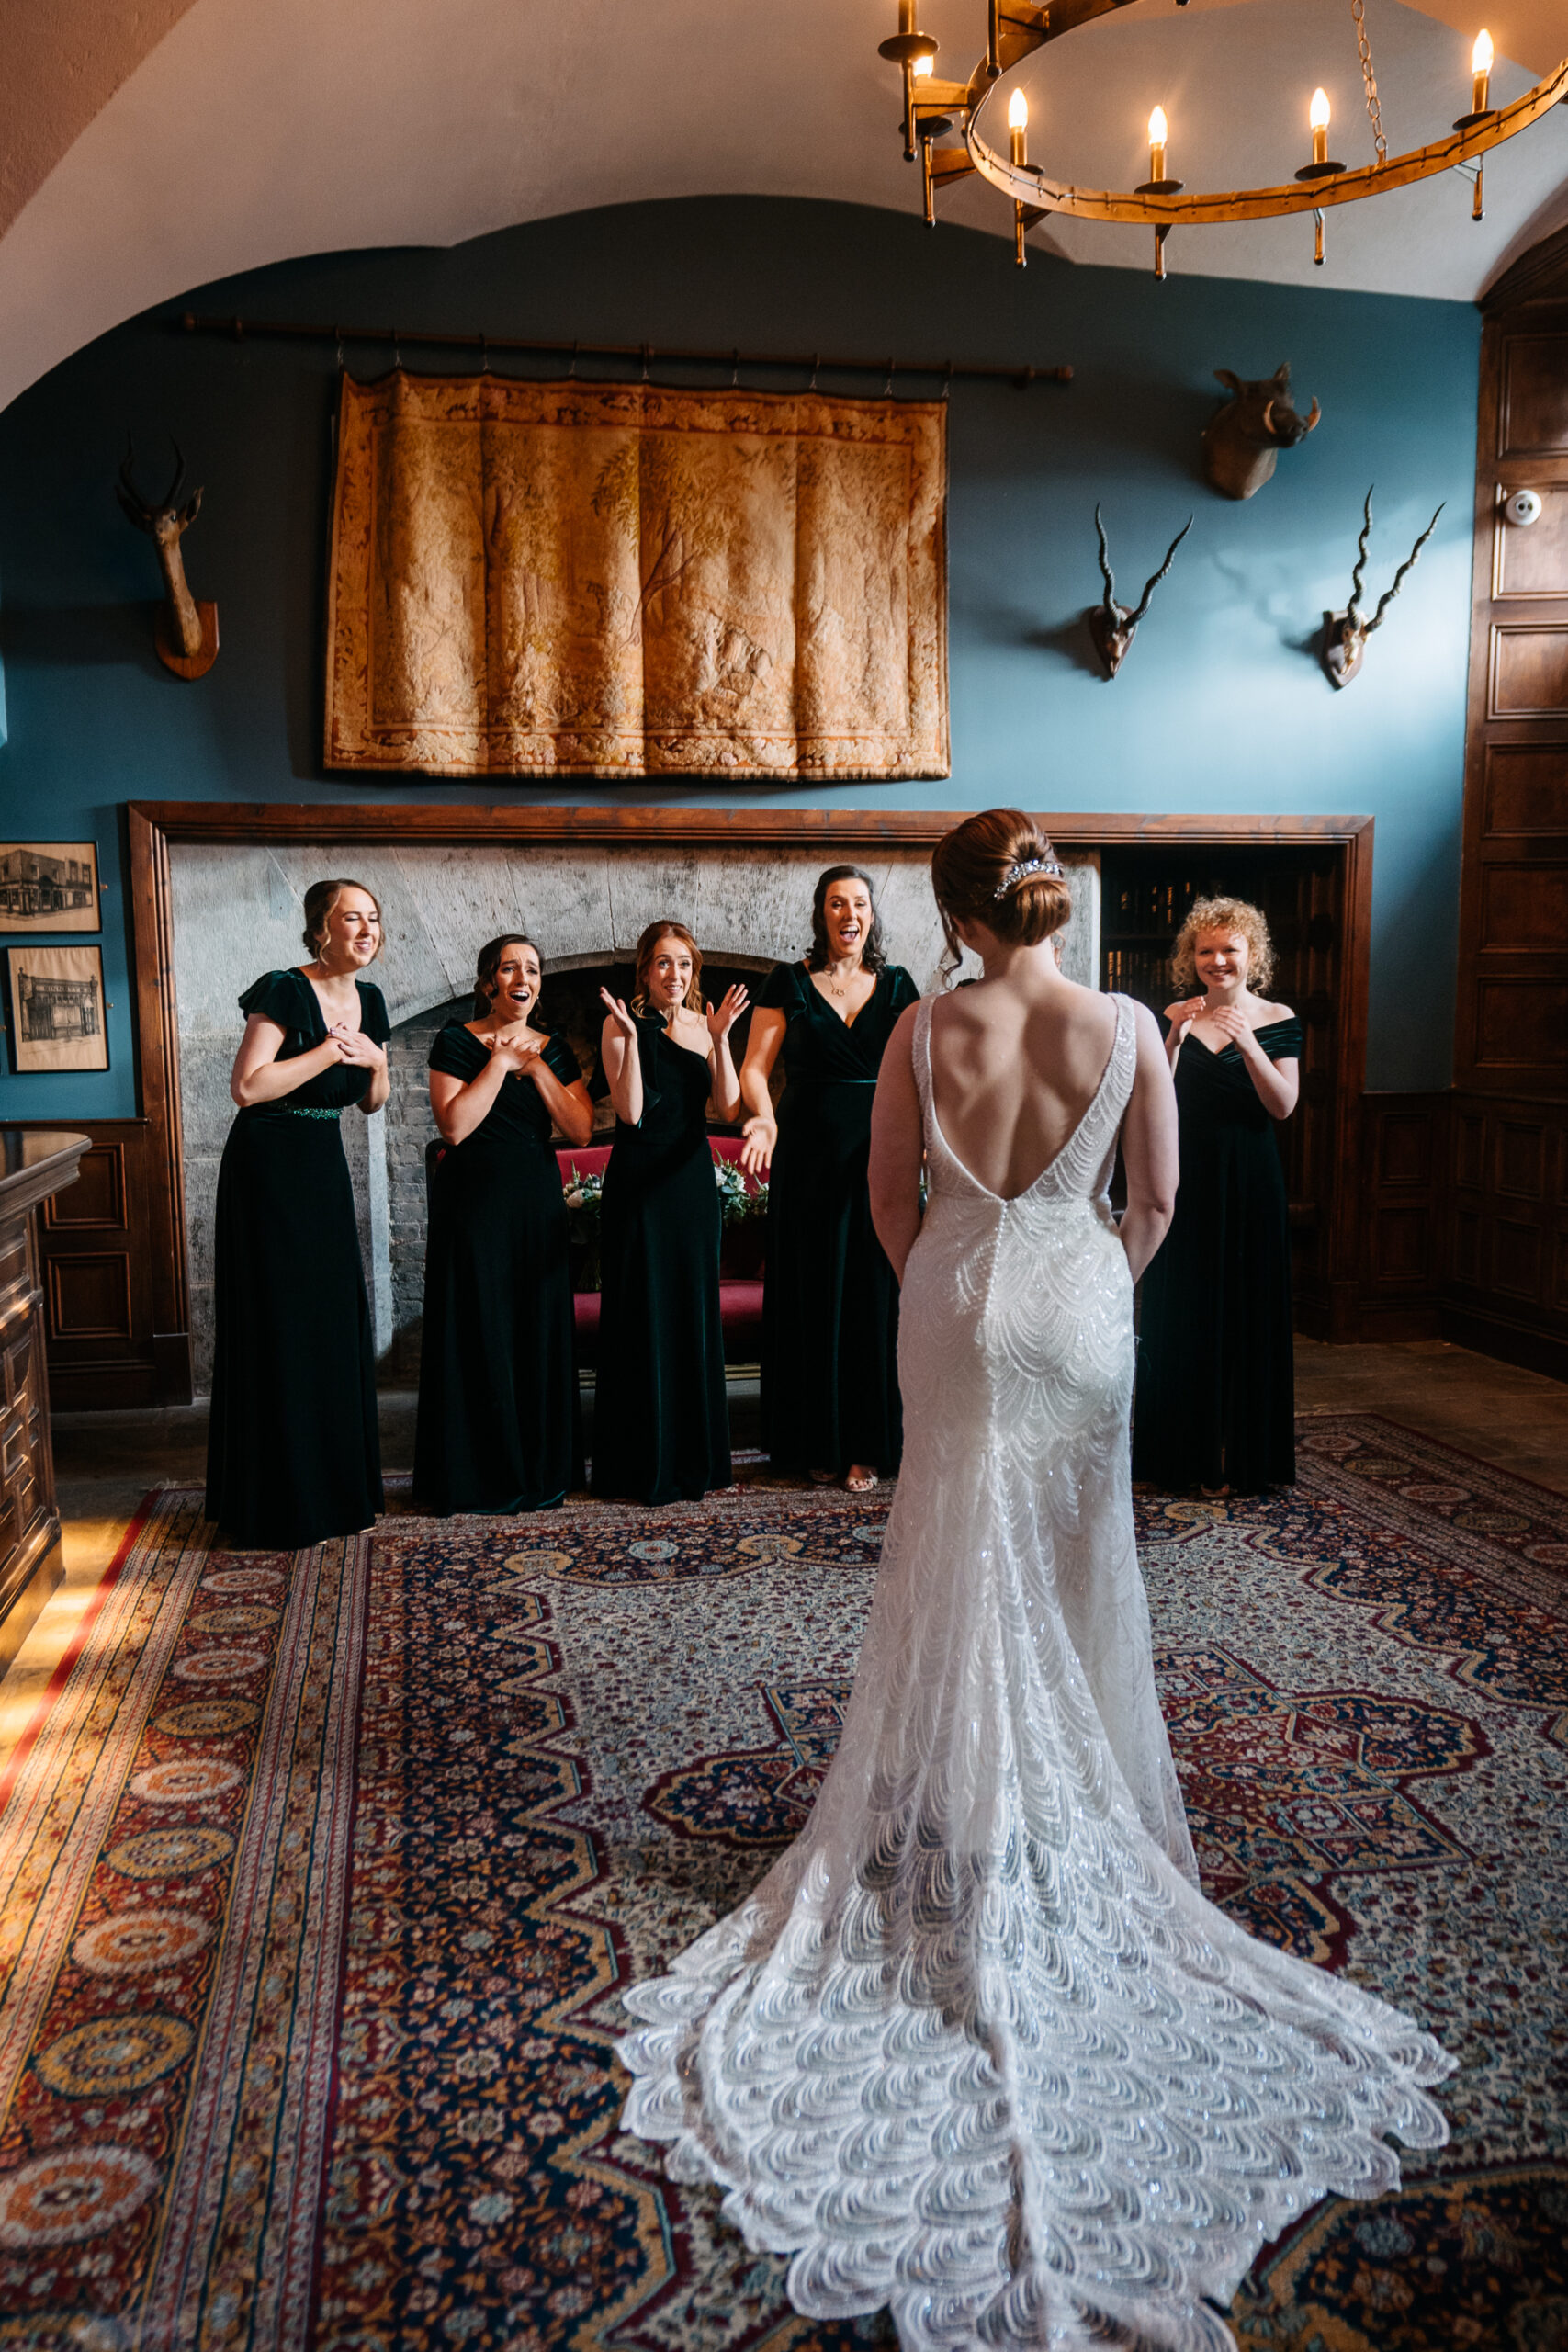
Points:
x=49 y=886
x=55 y=1009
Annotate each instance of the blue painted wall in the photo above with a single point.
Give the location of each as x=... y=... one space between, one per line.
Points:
x=1219 y=706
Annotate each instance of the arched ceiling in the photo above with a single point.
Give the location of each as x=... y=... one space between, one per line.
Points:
x=150 y=146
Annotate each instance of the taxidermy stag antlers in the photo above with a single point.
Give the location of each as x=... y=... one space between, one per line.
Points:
x=1112 y=625
x=1345 y=634
x=1243 y=441
x=186 y=633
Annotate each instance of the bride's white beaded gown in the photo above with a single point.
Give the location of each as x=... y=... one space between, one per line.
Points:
x=977 y=2048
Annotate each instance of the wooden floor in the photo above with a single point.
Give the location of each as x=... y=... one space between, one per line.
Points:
x=106 y=1463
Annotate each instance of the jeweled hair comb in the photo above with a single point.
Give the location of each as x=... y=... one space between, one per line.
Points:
x=1021 y=872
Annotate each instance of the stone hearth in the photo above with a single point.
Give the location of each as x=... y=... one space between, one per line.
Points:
x=237 y=913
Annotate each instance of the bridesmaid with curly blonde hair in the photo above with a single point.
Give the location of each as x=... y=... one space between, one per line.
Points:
x=1215 y=1403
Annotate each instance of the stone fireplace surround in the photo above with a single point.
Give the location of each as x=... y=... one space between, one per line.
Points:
x=235 y=909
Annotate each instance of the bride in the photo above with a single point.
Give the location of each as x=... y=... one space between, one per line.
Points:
x=977 y=2048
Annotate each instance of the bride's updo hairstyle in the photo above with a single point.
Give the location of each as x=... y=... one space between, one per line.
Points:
x=999 y=868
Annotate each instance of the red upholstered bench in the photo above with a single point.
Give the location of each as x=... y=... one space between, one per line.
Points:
x=740 y=1264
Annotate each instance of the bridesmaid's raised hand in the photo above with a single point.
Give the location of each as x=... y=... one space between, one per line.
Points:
x=726 y=1014
x=1192 y=1008
x=516 y=1050
x=758 y=1142
x=354 y=1046
x=624 y=1022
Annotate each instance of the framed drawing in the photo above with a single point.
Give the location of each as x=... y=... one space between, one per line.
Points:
x=55 y=1000
x=49 y=886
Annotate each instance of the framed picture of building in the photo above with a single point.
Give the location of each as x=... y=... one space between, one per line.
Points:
x=54 y=997
x=49 y=886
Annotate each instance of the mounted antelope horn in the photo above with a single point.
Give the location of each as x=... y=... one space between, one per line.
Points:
x=1112 y=625
x=1150 y=585
x=1345 y=634
x=1408 y=565
x=186 y=633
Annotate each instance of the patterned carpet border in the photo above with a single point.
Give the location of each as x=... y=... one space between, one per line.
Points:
x=319 y=1877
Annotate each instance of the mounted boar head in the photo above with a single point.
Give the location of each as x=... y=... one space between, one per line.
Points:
x=186 y=634
x=1112 y=625
x=1345 y=634
x=1242 y=442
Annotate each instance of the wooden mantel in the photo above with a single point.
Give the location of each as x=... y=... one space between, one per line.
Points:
x=853 y=832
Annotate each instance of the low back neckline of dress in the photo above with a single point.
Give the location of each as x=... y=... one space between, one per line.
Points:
x=1011 y=1200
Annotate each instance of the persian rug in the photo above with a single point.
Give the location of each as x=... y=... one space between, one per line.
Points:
x=320 y=1875
x=618 y=579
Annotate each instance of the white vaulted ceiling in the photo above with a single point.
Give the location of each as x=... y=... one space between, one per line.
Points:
x=148 y=146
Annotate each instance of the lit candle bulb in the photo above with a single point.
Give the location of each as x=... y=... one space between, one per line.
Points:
x=1318 y=117
x=921 y=67
x=1018 y=126
x=1480 y=66
x=1158 y=132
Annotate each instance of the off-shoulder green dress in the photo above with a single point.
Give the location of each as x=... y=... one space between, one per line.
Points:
x=293 y=1456
x=1216 y=1400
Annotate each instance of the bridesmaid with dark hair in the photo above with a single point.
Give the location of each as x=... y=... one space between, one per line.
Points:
x=293 y=1456
x=830 y=1306
x=661 y=1410
x=499 y=1428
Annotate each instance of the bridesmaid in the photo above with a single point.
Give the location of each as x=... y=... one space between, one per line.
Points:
x=830 y=1306
x=499 y=1427
x=1215 y=1403
x=293 y=1456
x=660 y=1413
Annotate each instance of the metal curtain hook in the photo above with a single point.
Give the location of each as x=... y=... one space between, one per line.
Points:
x=396 y=350
x=735 y=371
x=571 y=371
x=947 y=382
x=887 y=387
x=484 y=355
x=816 y=363
x=338 y=333
x=646 y=353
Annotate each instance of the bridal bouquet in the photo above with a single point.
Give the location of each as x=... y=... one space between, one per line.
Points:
x=736 y=1202
x=582 y=1195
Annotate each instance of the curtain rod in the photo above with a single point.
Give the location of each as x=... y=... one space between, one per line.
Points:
x=810 y=363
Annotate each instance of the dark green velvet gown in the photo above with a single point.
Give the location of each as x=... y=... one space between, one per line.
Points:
x=830 y=1306
x=499 y=1428
x=293 y=1456
x=1215 y=1401
x=660 y=1413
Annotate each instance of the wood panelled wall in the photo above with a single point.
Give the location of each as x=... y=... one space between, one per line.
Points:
x=97 y=1248
x=1504 y=1213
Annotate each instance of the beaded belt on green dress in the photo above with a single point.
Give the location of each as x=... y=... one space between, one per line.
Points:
x=306 y=1110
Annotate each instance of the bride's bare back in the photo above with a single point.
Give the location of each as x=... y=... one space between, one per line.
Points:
x=1015 y=1063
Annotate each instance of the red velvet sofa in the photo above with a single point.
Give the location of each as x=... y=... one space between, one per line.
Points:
x=740 y=1264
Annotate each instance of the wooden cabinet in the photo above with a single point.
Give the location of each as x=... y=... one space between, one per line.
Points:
x=34 y=1167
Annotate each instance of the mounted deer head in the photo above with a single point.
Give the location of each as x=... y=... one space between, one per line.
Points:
x=1345 y=634
x=186 y=634
x=1112 y=625
x=1243 y=441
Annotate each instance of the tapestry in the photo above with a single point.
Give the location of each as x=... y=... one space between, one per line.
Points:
x=320 y=1876
x=616 y=580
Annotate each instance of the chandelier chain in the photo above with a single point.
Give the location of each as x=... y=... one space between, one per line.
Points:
x=1374 y=109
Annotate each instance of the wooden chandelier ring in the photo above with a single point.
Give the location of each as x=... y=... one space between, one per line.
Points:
x=1017 y=37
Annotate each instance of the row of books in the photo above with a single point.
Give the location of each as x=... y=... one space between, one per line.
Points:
x=1140 y=972
x=1148 y=907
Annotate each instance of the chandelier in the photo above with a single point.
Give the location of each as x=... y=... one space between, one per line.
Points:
x=932 y=108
